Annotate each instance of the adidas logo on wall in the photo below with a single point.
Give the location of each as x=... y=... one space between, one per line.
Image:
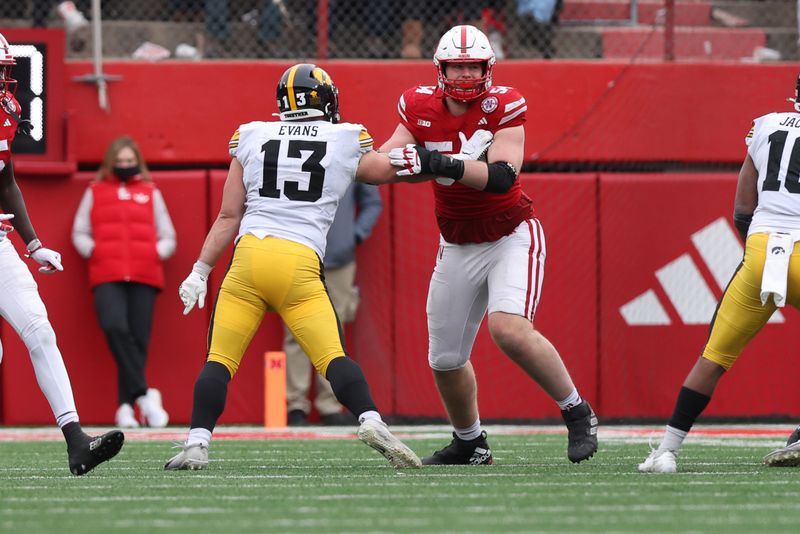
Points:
x=684 y=285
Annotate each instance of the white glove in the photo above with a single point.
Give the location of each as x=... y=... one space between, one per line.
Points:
x=474 y=147
x=407 y=158
x=50 y=260
x=194 y=288
x=5 y=229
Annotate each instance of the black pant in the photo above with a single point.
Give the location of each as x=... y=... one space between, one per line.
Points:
x=125 y=313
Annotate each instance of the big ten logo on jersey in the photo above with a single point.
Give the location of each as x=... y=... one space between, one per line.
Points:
x=426 y=89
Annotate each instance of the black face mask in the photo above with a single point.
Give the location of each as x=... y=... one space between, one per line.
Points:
x=126 y=173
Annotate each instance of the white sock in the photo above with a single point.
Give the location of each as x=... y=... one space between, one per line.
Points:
x=370 y=414
x=51 y=374
x=471 y=432
x=66 y=418
x=673 y=439
x=572 y=400
x=199 y=435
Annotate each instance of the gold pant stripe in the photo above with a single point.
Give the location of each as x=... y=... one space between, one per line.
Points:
x=274 y=274
x=740 y=314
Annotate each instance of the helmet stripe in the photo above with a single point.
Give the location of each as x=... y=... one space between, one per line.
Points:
x=290 y=88
x=463 y=39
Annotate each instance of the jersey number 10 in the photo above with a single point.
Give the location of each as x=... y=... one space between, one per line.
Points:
x=777 y=140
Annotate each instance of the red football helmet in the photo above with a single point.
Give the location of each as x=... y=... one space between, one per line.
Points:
x=464 y=44
x=8 y=85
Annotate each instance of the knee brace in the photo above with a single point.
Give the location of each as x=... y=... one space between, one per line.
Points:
x=447 y=362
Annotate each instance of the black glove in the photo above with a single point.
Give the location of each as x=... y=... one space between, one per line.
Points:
x=24 y=127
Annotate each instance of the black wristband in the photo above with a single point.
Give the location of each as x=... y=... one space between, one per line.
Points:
x=742 y=223
x=434 y=162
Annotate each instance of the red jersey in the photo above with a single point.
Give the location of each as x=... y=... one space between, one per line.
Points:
x=9 y=111
x=466 y=215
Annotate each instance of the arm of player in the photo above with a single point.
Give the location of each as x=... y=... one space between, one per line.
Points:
x=11 y=201
x=400 y=138
x=497 y=176
x=193 y=289
x=746 y=197
x=376 y=168
x=508 y=147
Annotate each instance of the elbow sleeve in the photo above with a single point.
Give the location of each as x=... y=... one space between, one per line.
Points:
x=502 y=176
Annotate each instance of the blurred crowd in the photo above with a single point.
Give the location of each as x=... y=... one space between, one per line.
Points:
x=290 y=28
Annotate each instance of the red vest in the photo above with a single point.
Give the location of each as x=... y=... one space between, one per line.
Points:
x=124 y=231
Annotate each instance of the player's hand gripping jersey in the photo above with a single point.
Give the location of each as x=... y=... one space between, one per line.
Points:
x=9 y=113
x=774 y=145
x=295 y=173
x=464 y=214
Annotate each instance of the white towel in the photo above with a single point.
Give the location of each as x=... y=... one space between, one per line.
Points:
x=776 y=268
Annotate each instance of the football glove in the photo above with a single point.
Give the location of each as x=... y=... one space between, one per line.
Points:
x=50 y=260
x=24 y=127
x=474 y=147
x=193 y=290
x=406 y=157
x=471 y=149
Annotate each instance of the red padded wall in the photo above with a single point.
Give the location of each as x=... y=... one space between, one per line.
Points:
x=602 y=111
x=177 y=343
x=647 y=221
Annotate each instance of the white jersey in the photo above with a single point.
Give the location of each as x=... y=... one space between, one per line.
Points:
x=295 y=173
x=773 y=145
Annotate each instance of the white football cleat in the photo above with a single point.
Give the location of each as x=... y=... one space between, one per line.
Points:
x=191 y=457
x=125 y=417
x=660 y=461
x=151 y=409
x=788 y=456
x=376 y=434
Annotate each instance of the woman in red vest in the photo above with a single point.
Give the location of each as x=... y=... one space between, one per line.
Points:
x=123 y=228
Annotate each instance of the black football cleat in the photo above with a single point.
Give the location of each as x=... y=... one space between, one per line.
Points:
x=94 y=451
x=582 y=432
x=462 y=452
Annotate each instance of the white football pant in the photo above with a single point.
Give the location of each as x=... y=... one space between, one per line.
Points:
x=502 y=276
x=22 y=307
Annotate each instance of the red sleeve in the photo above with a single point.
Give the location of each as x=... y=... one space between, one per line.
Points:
x=405 y=107
x=8 y=126
x=415 y=110
x=512 y=107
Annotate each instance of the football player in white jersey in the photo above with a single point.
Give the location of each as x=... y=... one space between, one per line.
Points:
x=20 y=303
x=766 y=213
x=280 y=197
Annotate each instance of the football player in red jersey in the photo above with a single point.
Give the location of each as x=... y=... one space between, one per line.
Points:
x=20 y=303
x=470 y=134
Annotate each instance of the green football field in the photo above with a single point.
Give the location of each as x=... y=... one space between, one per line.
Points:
x=340 y=485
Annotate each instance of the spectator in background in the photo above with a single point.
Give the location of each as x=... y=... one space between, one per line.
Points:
x=123 y=228
x=71 y=14
x=536 y=21
x=415 y=11
x=358 y=211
